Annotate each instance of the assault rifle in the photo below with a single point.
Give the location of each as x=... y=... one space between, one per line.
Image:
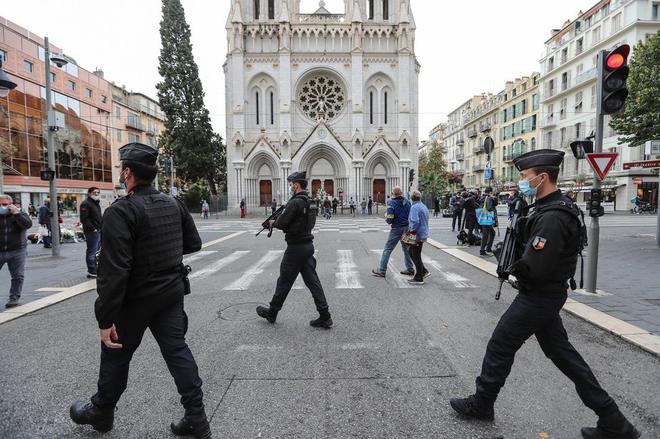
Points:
x=507 y=250
x=266 y=224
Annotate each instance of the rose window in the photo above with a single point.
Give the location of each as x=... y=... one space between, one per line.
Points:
x=321 y=95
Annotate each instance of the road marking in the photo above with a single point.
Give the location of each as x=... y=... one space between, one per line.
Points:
x=455 y=279
x=218 y=265
x=393 y=274
x=244 y=282
x=197 y=256
x=223 y=239
x=347 y=276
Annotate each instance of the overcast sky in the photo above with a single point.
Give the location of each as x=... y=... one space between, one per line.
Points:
x=464 y=47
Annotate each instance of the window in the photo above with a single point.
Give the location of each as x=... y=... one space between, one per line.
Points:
x=562 y=136
x=117 y=112
x=524 y=86
x=28 y=66
x=579 y=69
x=133 y=138
x=371 y=108
x=118 y=135
x=593 y=96
x=386 y=9
x=71 y=85
x=551 y=63
x=578 y=130
x=564 y=81
x=533 y=144
x=385 y=103
x=616 y=23
x=579 y=46
x=256 y=9
x=578 y=102
x=271 y=9
x=513 y=93
x=104 y=99
x=3 y=56
x=88 y=92
x=535 y=101
x=654 y=11
x=371 y=9
x=564 y=55
x=595 y=35
x=272 y=108
x=52 y=77
x=562 y=111
x=551 y=112
x=256 y=96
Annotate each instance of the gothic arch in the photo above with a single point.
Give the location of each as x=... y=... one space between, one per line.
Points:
x=322 y=150
x=259 y=108
x=380 y=157
x=260 y=159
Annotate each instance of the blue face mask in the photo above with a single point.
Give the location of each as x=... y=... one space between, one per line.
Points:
x=291 y=192
x=4 y=210
x=526 y=187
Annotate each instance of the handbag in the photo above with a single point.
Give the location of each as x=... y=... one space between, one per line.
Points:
x=485 y=217
x=409 y=238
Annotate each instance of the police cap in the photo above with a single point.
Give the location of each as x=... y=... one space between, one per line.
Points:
x=541 y=158
x=297 y=176
x=138 y=152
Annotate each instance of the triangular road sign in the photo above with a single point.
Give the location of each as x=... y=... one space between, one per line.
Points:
x=602 y=163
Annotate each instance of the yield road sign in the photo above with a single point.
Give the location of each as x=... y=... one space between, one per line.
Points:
x=602 y=163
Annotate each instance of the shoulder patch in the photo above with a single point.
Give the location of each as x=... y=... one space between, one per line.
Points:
x=539 y=243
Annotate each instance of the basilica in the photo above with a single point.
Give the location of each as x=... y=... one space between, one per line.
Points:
x=334 y=94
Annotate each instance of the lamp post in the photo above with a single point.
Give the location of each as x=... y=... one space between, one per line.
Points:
x=5 y=86
x=52 y=127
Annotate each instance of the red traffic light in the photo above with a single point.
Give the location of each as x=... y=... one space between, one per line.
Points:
x=615 y=61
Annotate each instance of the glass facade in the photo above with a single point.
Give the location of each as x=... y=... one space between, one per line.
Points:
x=82 y=146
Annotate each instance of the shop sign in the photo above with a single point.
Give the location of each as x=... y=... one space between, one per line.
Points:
x=638 y=181
x=648 y=164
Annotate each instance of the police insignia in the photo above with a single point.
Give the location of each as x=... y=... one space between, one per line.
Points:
x=539 y=243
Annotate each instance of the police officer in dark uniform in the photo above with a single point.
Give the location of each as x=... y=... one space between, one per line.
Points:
x=548 y=261
x=297 y=222
x=141 y=284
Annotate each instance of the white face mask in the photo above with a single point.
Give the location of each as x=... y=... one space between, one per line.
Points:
x=96 y=197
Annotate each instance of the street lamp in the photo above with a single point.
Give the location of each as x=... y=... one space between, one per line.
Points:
x=5 y=86
x=52 y=127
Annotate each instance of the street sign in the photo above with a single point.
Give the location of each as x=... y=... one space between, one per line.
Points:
x=649 y=164
x=601 y=163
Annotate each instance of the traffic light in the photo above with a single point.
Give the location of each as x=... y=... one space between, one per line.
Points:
x=581 y=148
x=595 y=203
x=613 y=74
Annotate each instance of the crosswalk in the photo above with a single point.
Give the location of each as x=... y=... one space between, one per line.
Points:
x=245 y=269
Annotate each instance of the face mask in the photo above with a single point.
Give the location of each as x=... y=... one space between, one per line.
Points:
x=96 y=197
x=4 y=210
x=526 y=187
x=291 y=192
x=122 y=179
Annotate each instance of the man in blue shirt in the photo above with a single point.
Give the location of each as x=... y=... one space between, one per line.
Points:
x=398 y=210
x=419 y=224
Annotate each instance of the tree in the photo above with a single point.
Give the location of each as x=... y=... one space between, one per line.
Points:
x=640 y=122
x=198 y=152
x=433 y=175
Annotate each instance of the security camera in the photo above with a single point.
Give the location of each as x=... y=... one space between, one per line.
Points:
x=59 y=61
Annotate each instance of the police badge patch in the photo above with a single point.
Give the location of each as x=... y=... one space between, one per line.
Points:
x=539 y=243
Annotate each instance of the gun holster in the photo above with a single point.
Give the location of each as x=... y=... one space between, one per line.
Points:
x=185 y=271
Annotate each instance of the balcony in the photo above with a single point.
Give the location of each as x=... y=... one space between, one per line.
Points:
x=485 y=127
x=460 y=157
x=477 y=149
x=549 y=121
x=511 y=156
x=135 y=124
x=585 y=76
x=477 y=168
x=460 y=142
x=472 y=132
x=151 y=132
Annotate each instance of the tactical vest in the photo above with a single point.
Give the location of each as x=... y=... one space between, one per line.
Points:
x=158 y=243
x=301 y=228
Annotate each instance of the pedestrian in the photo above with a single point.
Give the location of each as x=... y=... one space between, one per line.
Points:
x=398 y=211
x=297 y=222
x=273 y=206
x=571 y=195
x=91 y=220
x=60 y=207
x=470 y=207
x=513 y=201
x=488 y=231
x=74 y=205
x=549 y=248
x=242 y=205
x=327 y=208
x=363 y=205
x=456 y=203
x=436 y=206
x=44 y=218
x=335 y=204
x=13 y=245
x=418 y=223
x=370 y=205
x=141 y=284
x=32 y=211
x=205 y=209
x=351 y=205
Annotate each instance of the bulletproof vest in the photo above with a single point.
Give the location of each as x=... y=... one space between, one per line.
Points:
x=158 y=245
x=303 y=225
x=310 y=212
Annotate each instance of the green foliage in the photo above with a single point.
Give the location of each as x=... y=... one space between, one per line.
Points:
x=198 y=152
x=195 y=193
x=433 y=175
x=641 y=120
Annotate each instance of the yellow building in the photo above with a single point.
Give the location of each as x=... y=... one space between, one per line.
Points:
x=480 y=123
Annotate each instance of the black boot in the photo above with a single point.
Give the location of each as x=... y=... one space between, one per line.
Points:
x=473 y=407
x=324 y=320
x=12 y=302
x=192 y=425
x=267 y=313
x=615 y=426
x=88 y=414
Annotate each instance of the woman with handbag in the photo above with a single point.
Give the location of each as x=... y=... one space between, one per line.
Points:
x=486 y=219
x=418 y=227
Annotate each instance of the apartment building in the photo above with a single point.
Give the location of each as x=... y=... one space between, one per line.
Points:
x=454 y=140
x=481 y=122
x=568 y=81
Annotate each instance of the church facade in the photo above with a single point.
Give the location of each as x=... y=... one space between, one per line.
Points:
x=332 y=94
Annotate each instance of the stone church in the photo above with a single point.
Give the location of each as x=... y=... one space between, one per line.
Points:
x=332 y=94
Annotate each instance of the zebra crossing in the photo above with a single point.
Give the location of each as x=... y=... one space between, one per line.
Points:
x=245 y=268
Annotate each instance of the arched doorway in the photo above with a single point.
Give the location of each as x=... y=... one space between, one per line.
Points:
x=379 y=184
x=322 y=176
x=265 y=186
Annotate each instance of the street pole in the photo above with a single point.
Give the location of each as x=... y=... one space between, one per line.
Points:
x=54 y=222
x=594 y=227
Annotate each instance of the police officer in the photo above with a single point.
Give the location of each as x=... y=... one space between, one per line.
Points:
x=297 y=222
x=141 y=284
x=548 y=261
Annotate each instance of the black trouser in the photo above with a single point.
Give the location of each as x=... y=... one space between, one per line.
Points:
x=470 y=224
x=416 y=256
x=169 y=325
x=457 y=216
x=539 y=315
x=299 y=259
x=487 y=237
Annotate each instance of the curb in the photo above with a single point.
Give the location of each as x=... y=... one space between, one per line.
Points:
x=630 y=333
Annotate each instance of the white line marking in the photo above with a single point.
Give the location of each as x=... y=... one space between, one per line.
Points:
x=393 y=273
x=347 y=277
x=244 y=282
x=456 y=280
x=218 y=265
x=197 y=256
x=223 y=239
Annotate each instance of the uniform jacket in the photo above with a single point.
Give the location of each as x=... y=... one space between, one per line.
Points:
x=550 y=251
x=90 y=215
x=122 y=277
x=293 y=221
x=12 y=231
x=398 y=211
x=419 y=220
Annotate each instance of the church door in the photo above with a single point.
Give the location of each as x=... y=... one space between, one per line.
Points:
x=265 y=192
x=316 y=185
x=329 y=187
x=379 y=191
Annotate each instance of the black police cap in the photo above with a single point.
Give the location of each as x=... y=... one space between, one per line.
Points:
x=541 y=158
x=138 y=152
x=297 y=176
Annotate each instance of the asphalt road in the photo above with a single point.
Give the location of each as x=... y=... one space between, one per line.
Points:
x=387 y=369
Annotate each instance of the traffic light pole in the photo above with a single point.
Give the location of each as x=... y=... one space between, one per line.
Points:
x=54 y=206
